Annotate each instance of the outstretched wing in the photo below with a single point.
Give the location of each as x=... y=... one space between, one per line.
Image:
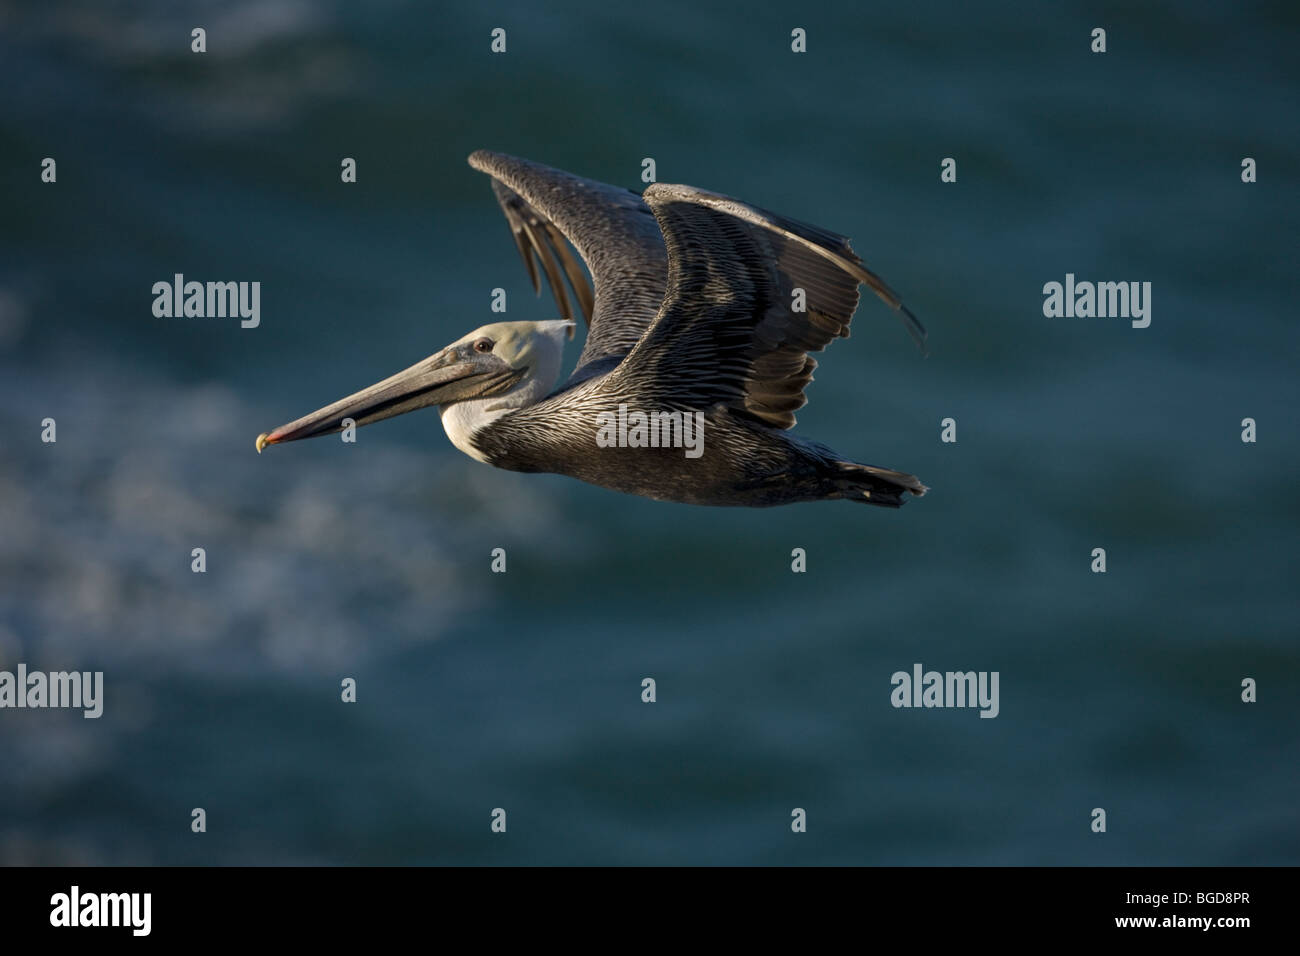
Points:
x=731 y=328
x=611 y=228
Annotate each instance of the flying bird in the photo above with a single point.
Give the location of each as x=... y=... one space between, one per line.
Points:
x=699 y=325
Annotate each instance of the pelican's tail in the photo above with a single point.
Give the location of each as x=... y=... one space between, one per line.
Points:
x=869 y=485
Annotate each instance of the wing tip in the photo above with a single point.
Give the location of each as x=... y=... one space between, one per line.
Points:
x=915 y=329
x=481 y=159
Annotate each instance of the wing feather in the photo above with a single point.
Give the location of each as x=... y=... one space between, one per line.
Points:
x=730 y=329
x=613 y=231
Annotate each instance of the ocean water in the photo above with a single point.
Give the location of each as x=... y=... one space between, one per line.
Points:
x=522 y=691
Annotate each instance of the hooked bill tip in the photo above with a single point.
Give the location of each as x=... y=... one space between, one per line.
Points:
x=262 y=442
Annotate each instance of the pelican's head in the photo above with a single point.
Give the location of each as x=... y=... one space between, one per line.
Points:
x=498 y=367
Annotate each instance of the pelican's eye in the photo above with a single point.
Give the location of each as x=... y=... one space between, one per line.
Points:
x=484 y=345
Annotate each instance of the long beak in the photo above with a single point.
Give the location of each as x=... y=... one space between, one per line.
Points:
x=439 y=379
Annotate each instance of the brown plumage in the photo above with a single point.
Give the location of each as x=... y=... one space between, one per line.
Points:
x=700 y=305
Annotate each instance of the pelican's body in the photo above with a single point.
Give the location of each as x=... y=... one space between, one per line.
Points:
x=704 y=310
x=743 y=462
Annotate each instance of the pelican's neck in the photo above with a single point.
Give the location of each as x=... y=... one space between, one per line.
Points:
x=463 y=420
x=542 y=353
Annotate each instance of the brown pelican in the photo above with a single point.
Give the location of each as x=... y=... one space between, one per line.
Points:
x=699 y=327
